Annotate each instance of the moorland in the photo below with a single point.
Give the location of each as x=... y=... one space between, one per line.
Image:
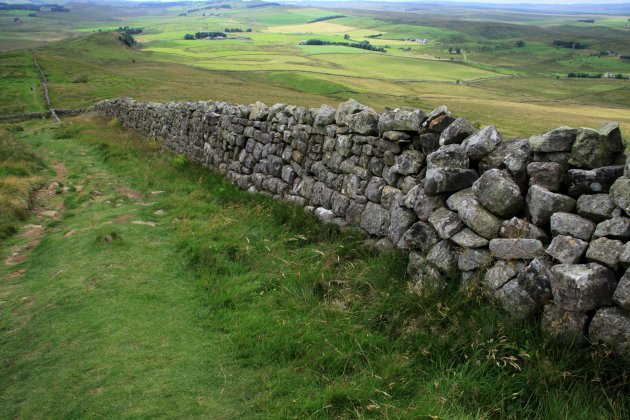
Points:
x=140 y=285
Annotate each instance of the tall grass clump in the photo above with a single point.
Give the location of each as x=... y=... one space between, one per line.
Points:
x=20 y=174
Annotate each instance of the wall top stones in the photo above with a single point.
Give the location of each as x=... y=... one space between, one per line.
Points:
x=541 y=223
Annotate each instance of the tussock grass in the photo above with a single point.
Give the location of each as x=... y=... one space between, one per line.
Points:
x=236 y=305
x=20 y=174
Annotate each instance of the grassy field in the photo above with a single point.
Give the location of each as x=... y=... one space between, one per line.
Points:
x=234 y=305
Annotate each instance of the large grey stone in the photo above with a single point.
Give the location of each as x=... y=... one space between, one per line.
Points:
x=375 y=219
x=567 y=249
x=421 y=203
x=624 y=255
x=497 y=192
x=562 y=223
x=473 y=259
x=259 y=111
x=446 y=222
x=401 y=219
x=611 y=326
x=516 y=301
x=450 y=156
x=536 y=279
x=374 y=189
x=401 y=119
x=498 y=157
x=542 y=203
x=480 y=220
x=444 y=256
x=429 y=142
x=582 y=287
x=455 y=133
x=559 y=140
x=390 y=195
x=591 y=181
x=516 y=162
x=364 y=122
x=409 y=162
x=597 y=207
x=615 y=228
x=597 y=148
x=500 y=273
x=420 y=235
x=480 y=144
x=425 y=278
x=456 y=199
x=621 y=296
x=620 y=193
x=346 y=109
x=605 y=251
x=519 y=228
x=448 y=180
x=466 y=238
x=564 y=325
x=515 y=249
x=546 y=174
x=325 y=115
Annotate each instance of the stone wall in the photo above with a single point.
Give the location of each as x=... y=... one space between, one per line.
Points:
x=541 y=222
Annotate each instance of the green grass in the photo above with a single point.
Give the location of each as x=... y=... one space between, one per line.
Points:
x=235 y=305
x=20 y=173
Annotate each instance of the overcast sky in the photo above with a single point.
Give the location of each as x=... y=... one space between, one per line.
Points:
x=594 y=2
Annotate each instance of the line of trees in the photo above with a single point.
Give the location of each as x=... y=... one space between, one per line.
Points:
x=202 y=35
x=320 y=19
x=229 y=30
x=364 y=45
x=568 y=44
x=585 y=75
x=131 y=31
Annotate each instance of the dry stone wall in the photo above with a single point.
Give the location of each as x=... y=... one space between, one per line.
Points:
x=542 y=222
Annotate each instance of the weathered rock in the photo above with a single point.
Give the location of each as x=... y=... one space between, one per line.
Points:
x=321 y=195
x=420 y=235
x=567 y=249
x=396 y=136
x=364 y=122
x=443 y=256
x=542 y=203
x=446 y=222
x=597 y=207
x=447 y=180
x=597 y=148
x=324 y=215
x=480 y=220
x=466 y=238
x=375 y=219
x=425 y=277
x=621 y=296
x=497 y=192
x=384 y=245
x=374 y=189
x=624 y=255
x=620 y=193
x=429 y=142
x=448 y=157
x=423 y=204
x=497 y=158
x=564 y=325
x=611 y=326
x=346 y=109
x=582 y=287
x=401 y=219
x=389 y=196
x=259 y=111
x=593 y=181
x=401 y=119
x=516 y=301
x=325 y=115
x=573 y=225
x=480 y=144
x=455 y=133
x=615 y=228
x=519 y=228
x=473 y=259
x=516 y=162
x=515 y=249
x=536 y=279
x=605 y=251
x=455 y=200
x=546 y=174
x=501 y=272
x=558 y=140
x=409 y=162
